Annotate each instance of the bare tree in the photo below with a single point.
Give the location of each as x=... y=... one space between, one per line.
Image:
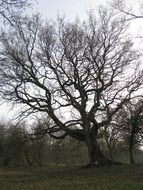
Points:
x=130 y=121
x=110 y=137
x=79 y=74
x=11 y=143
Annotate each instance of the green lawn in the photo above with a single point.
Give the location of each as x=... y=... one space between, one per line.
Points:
x=121 y=177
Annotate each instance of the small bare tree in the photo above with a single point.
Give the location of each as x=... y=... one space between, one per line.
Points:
x=110 y=137
x=130 y=121
x=79 y=74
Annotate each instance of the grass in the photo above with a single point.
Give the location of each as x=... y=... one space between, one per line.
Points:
x=121 y=177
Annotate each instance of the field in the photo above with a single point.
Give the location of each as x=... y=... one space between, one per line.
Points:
x=121 y=177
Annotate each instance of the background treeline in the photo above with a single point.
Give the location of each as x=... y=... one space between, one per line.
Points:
x=18 y=149
x=21 y=145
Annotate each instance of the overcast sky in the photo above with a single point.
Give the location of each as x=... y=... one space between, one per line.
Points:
x=69 y=8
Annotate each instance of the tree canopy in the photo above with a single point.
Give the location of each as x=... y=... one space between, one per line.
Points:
x=79 y=74
x=8 y=8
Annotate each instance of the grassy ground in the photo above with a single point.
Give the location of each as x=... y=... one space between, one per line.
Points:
x=121 y=177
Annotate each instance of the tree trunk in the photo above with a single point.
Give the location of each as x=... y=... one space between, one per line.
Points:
x=96 y=157
x=111 y=154
x=132 y=161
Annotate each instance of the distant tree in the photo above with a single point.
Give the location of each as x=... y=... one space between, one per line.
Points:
x=11 y=143
x=2 y=139
x=76 y=73
x=111 y=139
x=130 y=121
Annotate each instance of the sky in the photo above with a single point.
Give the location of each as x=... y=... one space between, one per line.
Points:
x=68 y=8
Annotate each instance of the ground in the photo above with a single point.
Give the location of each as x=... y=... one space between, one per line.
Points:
x=120 y=177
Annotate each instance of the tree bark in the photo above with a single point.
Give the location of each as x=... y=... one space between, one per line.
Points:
x=96 y=156
x=111 y=154
x=132 y=161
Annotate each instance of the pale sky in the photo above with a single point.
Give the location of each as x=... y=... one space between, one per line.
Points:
x=69 y=8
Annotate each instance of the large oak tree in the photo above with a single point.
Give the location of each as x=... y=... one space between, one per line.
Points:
x=80 y=74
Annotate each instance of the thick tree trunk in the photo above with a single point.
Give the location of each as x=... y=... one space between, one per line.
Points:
x=96 y=157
